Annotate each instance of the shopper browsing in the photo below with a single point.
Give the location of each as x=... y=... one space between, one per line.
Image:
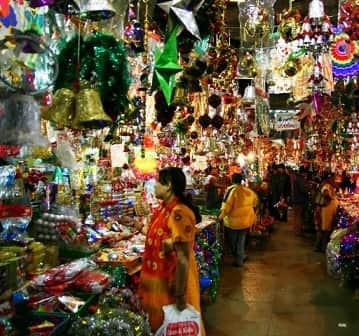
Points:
x=169 y=271
x=238 y=215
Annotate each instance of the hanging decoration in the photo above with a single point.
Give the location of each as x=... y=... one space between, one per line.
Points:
x=67 y=7
x=166 y=66
x=183 y=14
x=343 y=53
x=256 y=22
x=93 y=10
x=28 y=65
x=289 y=26
x=41 y=3
x=4 y=8
x=101 y=60
x=348 y=20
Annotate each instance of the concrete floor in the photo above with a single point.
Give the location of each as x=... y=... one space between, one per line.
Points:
x=282 y=290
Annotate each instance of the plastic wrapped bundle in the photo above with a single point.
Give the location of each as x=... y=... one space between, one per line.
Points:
x=20 y=123
x=333 y=254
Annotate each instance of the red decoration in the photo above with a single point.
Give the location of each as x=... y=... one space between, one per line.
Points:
x=4 y=8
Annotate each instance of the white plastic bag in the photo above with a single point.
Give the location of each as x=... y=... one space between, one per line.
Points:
x=180 y=323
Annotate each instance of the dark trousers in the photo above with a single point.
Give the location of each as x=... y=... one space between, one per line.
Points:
x=322 y=240
x=236 y=241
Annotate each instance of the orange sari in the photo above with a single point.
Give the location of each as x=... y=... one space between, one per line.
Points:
x=157 y=286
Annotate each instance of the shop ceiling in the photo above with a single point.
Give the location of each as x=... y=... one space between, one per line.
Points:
x=232 y=21
x=231 y=15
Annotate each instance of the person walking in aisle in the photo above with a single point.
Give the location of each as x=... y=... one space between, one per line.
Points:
x=169 y=272
x=238 y=215
x=327 y=213
x=300 y=198
x=280 y=191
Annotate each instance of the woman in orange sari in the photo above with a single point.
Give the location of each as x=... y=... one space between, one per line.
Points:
x=169 y=272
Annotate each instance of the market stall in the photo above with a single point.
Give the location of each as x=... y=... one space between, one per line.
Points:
x=97 y=96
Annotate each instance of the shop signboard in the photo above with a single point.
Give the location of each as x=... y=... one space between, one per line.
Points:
x=285 y=120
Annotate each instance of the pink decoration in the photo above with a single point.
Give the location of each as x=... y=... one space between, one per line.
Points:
x=41 y=3
x=317 y=102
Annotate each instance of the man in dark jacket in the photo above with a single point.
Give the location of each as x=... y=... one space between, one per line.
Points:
x=300 y=199
x=280 y=192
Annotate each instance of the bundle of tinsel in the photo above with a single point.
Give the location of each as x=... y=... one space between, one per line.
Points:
x=342 y=218
x=349 y=255
x=101 y=60
x=208 y=251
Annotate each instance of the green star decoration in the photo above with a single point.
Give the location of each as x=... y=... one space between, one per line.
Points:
x=166 y=66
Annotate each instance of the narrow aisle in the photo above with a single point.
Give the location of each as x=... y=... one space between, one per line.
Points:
x=282 y=290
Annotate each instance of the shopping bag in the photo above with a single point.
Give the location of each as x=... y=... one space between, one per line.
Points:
x=180 y=323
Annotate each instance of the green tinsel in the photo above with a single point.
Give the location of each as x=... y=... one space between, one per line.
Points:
x=118 y=274
x=102 y=60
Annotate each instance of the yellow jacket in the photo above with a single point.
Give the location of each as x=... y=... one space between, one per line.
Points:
x=238 y=209
x=329 y=211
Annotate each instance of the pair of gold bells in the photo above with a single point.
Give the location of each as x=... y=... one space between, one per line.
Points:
x=83 y=110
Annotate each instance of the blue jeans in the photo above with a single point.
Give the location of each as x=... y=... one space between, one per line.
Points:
x=236 y=240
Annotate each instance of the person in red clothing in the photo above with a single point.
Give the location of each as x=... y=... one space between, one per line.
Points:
x=169 y=272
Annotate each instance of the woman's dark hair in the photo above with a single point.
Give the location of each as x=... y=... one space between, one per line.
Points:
x=237 y=178
x=177 y=179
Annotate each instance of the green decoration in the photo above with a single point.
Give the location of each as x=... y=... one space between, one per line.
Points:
x=166 y=66
x=201 y=46
x=99 y=59
x=296 y=54
x=118 y=274
x=58 y=177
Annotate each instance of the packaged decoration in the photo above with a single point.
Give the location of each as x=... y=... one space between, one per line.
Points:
x=20 y=123
x=63 y=273
x=14 y=221
x=94 y=282
x=7 y=182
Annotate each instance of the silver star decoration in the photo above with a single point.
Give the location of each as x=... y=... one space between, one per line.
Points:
x=184 y=15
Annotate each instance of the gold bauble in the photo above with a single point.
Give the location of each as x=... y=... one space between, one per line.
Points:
x=252 y=71
x=289 y=29
x=290 y=68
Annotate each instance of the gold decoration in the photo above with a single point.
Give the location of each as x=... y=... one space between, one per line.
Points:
x=62 y=110
x=290 y=68
x=180 y=96
x=289 y=29
x=89 y=110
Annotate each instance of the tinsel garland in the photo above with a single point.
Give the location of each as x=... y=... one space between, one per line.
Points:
x=100 y=59
x=111 y=321
x=118 y=274
x=342 y=219
x=349 y=256
x=208 y=251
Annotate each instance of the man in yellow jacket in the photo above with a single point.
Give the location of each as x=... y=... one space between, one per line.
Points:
x=238 y=215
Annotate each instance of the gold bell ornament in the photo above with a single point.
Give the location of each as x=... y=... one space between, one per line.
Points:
x=62 y=110
x=89 y=110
